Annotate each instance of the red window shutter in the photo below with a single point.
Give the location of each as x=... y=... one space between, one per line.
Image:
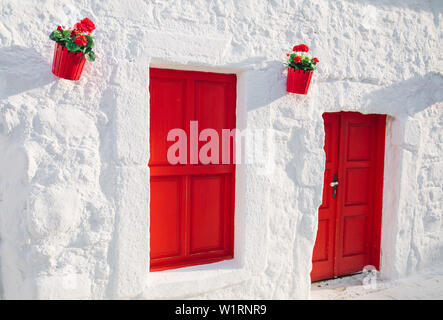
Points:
x=192 y=205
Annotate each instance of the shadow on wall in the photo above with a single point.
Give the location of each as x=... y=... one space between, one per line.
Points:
x=265 y=81
x=409 y=96
x=22 y=69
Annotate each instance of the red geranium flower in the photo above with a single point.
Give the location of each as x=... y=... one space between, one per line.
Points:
x=315 y=60
x=74 y=33
x=80 y=27
x=60 y=28
x=297 y=59
x=88 y=25
x=81 y=40
x=301 y=48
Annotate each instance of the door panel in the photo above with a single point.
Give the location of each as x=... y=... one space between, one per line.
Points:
x=207 y=213
x=357 y=206
x=323 y=256
x=356 y=185
x=169 y=97
x=321 y=246
x=358 y=141
x=167 y=226
x=354 y=235
x=192 y=205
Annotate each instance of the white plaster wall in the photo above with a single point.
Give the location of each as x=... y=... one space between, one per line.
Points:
x=74 y=192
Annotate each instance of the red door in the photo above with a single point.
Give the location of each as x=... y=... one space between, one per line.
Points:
x=192 y=204
x=348 y=236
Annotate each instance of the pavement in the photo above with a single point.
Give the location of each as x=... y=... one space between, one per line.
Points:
x=427 y=285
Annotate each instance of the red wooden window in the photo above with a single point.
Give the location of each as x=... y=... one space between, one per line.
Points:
x=192 y=205
x=349 y=226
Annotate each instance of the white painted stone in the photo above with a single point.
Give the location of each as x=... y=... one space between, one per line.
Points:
x=66 y=286
x=74 y=182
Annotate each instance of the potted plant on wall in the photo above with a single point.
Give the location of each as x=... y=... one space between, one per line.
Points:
x=72 y=49
x=300 y=69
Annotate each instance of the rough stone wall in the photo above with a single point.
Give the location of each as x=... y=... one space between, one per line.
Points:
x=74 y=192
x=416 y=241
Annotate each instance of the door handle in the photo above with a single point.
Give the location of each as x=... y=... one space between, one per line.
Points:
x=334 y=185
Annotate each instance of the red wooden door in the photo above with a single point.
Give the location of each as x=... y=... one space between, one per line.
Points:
x=348 y=236
x=192 y=204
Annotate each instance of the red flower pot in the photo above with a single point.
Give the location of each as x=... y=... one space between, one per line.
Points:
x=298 y=81
x=67 y=64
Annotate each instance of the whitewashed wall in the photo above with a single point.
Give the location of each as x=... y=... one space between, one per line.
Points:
x=74 y=192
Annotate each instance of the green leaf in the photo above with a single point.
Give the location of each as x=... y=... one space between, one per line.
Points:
x=66 y=35
x=55 y=35
x=52 y=36
x=90 y=43
x=73 y=47
x=90 y=56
